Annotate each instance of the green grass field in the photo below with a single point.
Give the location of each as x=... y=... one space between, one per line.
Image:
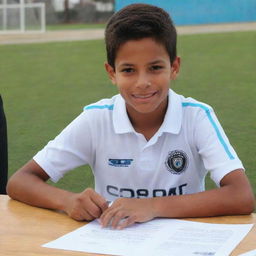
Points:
x=45 y=86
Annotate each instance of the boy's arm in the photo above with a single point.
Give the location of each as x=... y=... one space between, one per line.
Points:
x=29 y=186
x=235 y=196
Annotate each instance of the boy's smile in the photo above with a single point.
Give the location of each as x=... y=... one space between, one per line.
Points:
x=142 y=74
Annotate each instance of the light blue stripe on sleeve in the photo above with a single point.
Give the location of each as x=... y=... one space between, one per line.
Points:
x=208 y=113
x=110 y=107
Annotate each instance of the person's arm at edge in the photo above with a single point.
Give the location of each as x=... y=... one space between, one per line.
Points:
x=29 y=185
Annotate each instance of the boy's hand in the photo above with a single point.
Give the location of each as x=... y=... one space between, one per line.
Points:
x=126 y=211
x=87 y=205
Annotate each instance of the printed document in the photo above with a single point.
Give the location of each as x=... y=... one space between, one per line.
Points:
x=162 y=237
x=250 y=253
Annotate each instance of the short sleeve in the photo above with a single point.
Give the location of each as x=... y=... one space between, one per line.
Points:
x=218 y=156
x=70 y=149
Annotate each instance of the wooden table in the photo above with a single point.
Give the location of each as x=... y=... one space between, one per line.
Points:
x=23 y=229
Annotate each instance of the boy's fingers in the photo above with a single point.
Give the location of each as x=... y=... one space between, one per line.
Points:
x=87 y=216
x=82 y=214
x=93 y=209
x=116 y=219
x=99 y=201
x=102 y=217
x=126 y=222
x=104 y=220
x=106 y=217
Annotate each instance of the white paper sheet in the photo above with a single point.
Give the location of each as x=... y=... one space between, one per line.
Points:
x=250 y=253
x=162 y=237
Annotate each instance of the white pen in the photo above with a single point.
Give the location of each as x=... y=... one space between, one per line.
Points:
x=110 y=203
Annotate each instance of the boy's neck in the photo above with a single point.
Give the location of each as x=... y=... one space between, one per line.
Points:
x=147 y=123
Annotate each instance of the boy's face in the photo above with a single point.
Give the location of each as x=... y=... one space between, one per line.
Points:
x=143 y=72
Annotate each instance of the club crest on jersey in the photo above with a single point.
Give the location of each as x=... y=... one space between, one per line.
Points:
x=176 y=161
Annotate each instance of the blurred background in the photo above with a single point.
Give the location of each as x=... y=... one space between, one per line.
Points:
x=27 y=15
x=33 y=15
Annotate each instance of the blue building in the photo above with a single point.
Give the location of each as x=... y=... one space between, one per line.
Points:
x=190 y=12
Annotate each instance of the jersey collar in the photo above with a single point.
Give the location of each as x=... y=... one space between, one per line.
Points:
x=172 y=120
x=173 y=116
x=121 y=120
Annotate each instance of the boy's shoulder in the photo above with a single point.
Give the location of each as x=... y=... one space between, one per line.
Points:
x=106 y=113
x=188 y=103
x=107 y=103
x=194 y=105
x=104 y=110
x=192 y=102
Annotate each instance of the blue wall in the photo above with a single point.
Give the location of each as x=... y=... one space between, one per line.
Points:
x=189 y=12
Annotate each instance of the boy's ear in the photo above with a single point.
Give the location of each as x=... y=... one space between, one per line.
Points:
x=111 y=72
x=175 y=68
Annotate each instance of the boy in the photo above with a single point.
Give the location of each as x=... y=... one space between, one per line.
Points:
x=149 y=147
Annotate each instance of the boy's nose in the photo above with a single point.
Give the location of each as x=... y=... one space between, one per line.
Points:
x=143 y=82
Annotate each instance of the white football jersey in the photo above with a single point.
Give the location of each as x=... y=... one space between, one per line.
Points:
x=175 y=161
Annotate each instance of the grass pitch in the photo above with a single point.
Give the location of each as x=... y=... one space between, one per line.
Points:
x=45 y=86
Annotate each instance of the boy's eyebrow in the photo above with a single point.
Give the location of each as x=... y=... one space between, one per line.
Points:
x=126 y=64
x=150 y=63
x=156 y=62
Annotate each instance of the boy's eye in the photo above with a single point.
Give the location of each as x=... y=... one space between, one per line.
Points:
x=127 y=70
x=156 y=67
